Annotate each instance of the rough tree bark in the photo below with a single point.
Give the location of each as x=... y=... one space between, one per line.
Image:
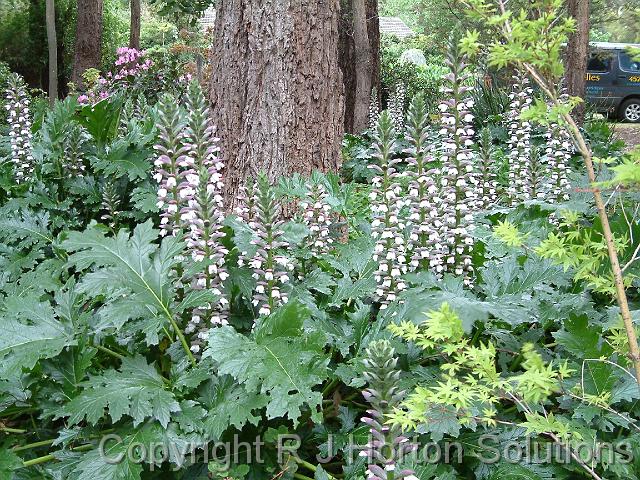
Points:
x=276 y=88
x=88 y=45
x=52 y=41
x=577 y=53
x=362 y=66
x=351 y=38
x=134 y=31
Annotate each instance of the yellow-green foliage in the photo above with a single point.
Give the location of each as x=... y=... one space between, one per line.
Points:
x=469 y=380
x=584 y=249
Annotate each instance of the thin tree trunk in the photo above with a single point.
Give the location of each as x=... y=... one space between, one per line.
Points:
x=577 y=52
x=363 y=66
x=276 y=88
x=88 y=48
x=52 y=41
x=134 y=32
x=348 y=58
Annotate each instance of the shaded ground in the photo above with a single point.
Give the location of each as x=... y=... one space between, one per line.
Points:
x=629 y=133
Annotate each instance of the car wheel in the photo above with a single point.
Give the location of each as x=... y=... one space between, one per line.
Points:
x=630 y=111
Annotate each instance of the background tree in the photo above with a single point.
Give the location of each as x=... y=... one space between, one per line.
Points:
x=88 y=46
x=134 y=30
x=276 y=87
x=577 y=52
x=359 y=59
x=52 y=42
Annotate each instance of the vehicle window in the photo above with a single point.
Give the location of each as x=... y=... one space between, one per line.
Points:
x=599 y=62
x=629 y=64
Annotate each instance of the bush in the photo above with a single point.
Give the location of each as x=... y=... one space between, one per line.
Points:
x=419 y=79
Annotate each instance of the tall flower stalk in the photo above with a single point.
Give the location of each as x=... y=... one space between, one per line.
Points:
x=19 y=120
x=316 y=215
x=559 y=150
x=271 y=267
x=201 y=188
x=487 y=182
x=172 y=156
x=425 y=203
x=458 y=177
x=387 y=445
x=519 y=140
x=387 y=227
x=374 y=109
x=396 y=102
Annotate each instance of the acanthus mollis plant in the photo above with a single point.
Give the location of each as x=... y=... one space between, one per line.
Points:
x=387 y=227
x=202 y=216
x=74 y=150
x=396 y=103
x=425 y=203
x=386 y=444
x=245 y=208
x=374 y=109
x=538 y=181
x=19 y=120
x=111 y=202
x=172 y=158
x=459 y=180
x=519 y=139
x=316 y=215
x=486 y=169
x=559 y=150
x=271 y=266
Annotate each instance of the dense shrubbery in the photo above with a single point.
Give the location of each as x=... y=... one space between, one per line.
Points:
x=451 y=288
x=418 y=79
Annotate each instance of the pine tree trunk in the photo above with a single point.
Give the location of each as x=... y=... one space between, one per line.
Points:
x=363 y=66
x=134 y=31
x=88 y=47
x=353 y=56
x=577 y=52
x=52 y=41
x=276 y=88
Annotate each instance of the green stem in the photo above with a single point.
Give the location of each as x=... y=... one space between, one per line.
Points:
x=109 y=352
x=329 y=388
x=48 y=458
x=308 y=466
x=12 y=430
x=183 y=340
x=301 y=477
x=29 y=446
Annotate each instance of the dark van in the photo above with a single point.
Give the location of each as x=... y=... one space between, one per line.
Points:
x=613 y=80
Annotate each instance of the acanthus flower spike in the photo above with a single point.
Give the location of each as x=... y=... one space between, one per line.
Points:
x=387 y=227
x=272 y=267
x=425 y=202
x=171 y=159
x=20 y=136
x=200 y=191
x=387 y=446
x=459 y=179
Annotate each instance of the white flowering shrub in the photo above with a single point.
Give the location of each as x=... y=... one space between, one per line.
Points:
x=19 y=119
